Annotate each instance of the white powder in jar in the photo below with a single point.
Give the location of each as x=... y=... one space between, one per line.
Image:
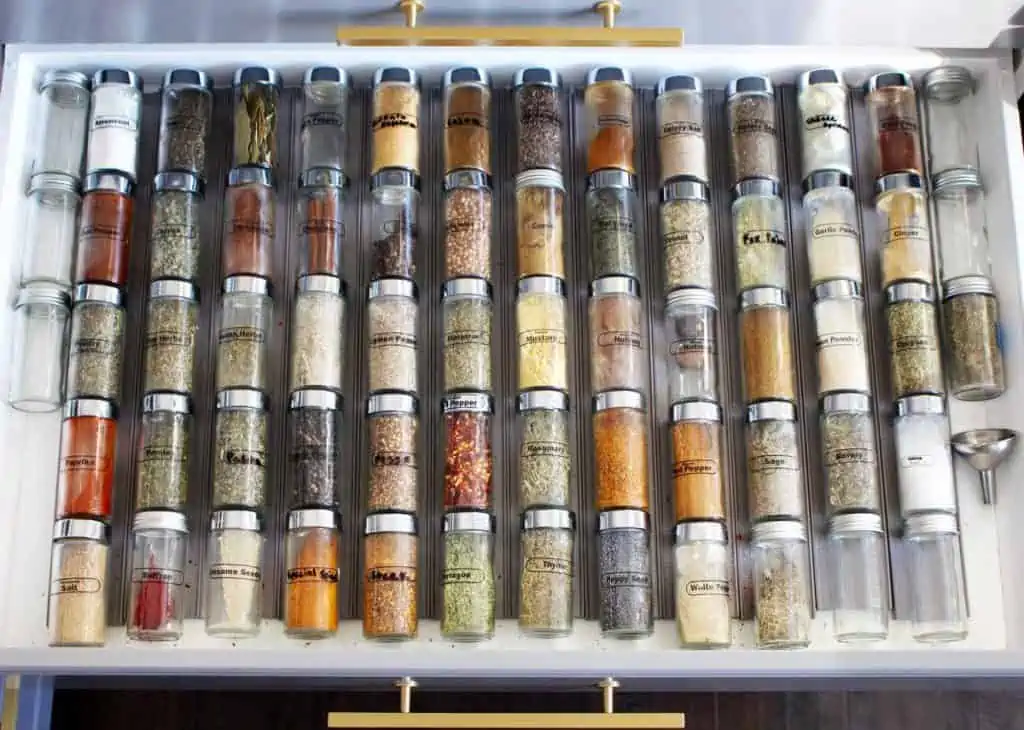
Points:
x=233 y=590
x=317 y=340
x=114 y=128
x=702 y=594
x=825 y=128
x=833 y=235
x=681 y=144
x=840 y=344
x=925 y=464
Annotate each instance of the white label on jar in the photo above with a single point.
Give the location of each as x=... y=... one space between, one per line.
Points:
x=771 y=463
x=114 y=129
x=707 y=588
x=557 y=566
x=392 y=339
x=840 y=339
x=232 y=571
x=763 y=237
x=116 y=107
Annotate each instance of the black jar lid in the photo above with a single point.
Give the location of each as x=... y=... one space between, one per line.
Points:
x=537 y=76
x=750 y=85
x=184 y=182
x=257 y=75
x=395 y=74
x=116 y=76
x=827 y=179
x=609 y=73
x=819 y=76
x=678 y=82
x=325 y=74
x=887 y=79
x=188 y=78
x=466 y=75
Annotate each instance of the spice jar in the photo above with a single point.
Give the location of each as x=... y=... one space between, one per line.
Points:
x=104 y=229
x=234 y=580
x=540 y=210
x=538 y=119
x=88 y=446
x=687 y=245
x=240 y=450
x=906 y=239
x=467 y=583
x=78 y=583
x=682 y=148
x=544 y=457
x=97 y=333
x=249 y=222
x=321 y=222
x=936 y=579
x=624 y=573
x=318 y=333
x=697 y=478
x=467 y=119
x=840 y=337
x=174 y=228
x=691 y=332
x=759 y=230
x=611 y=224
x=257 y=93
x=391 y=314
x=833 y=231
x=781 y=585
x=825 y=139
x=849 y=454
x=620 y=451
x=703 y=608
x=157 y=600
x=950 y=106
x=768 y=368
x=545 y=583
x=467 y=312
x=390 y=569
x=63 y=112
x=311 y=569
x=164 y=452
x=324 y=119
x=245 y=312
x=393 y=420
x=468 y=459
x=960 y=221
x=314 y=427
x=396 y=197
x=395 y=119
x=754 y=143
x=37 y=356
x=617 y=358
x=915 y=365
x=860 y=586
x=114 y=122
x=467 y=224
x=170 y=336
x=608 y=109
x=924 y=460
x=186 y=106
x=774 y=479
x=541 y=314
x=50 y=229
x=892 y=114
x=973 y=339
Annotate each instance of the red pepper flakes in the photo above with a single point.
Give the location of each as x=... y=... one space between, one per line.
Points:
x=468 y=462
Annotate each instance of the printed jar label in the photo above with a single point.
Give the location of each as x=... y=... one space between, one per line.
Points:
x=458 y=338
x=313 y=574
x=467 y=119
x=394 y=119
x=391 y=574
x=393 y=458
x=834 y=230
x=839 y=339
x=168 y=338
x=304 y=453
x=707 y=588
x=907 y=343
x=102 y=231
x=254 y=335
x=323 y=119
x=897 y=124
x=558 y=566
x=753 y=126
x=393 y=339
x=84 y=462
x=682 y=128
x=454 y=576
x=904 y=233
x=164 y=454
x=763 y=237
x=817 y=122
x=323 y=226
x=114 y=107
x=916 y=461
x=244 y=457
x=537 y=225
x=625 y=580
x=612 y=224
x=614 y=120
x=158 y=575
x=620 y=338
x=94 y=346
x=693 y=345
x=693 y=237
x=839 y=457
x=694 y=467
x=186 y=231
x=83 y=584
x=541 y=337
x=768 y=463
x=545 y=449
x=235 y=571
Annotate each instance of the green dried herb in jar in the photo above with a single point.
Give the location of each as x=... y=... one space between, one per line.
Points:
x=611 y=206
x=174 y=227
x=164 y=453
x=468 y=577
x=544 y=463
x=759 y=229
x=97 y=330
x=849 y=454
x=545 y=589
x=971 y=319
x=913 y=329
x=240 y=450
x=170 y=337
x=257 y=92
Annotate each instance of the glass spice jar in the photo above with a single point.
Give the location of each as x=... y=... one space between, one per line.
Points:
x=620 y=451
x=892 y=115
x=468 y=457
x=754 y=143
x=617 y=357
x=467 y=224
x=538 y=119
x=467 y=119
x=395 y=120
x=973 y=339
x=88 y=446
x=697 y=478
x=392 y=313
x=540 y=210
x=849 y=454
x=924 y=461
x=936 y=578
x=825 y=139
x=249 y=223
x=50 y=230
x=38 y=348
x=769 y=371
x=311 y=570
x=314 y=445
x=467 y=582
x=63 y=115
x=687 y=245
x=781 y=585
x=318 y=333
x=832 y=228
x=860 y=584
x=157 y=600
x=234 y=578
x=104 y=230
x=902 y=208
x=257 y=94
x=608 y=109
x=840 y=337
x=97 y=339
x=544 y=457
x=245 y=313
x=545 y=580
x=691 y=331
x=174 y=228
x=78 y=583
x=682 y=148
x=915 y=364
x=702 y=561
x=393 y=420
x=774 y=476
x=324 y=125
x=611 y=224
x=170 y=349
x=186 y=107
x=321 y=222
x=390 y=570
x=624 y=573
x=960 y=224
x=759 y=230
x=950 y=107
x=164 y=452
x=114 y=116
x=467 y=310
x=396 y=198
x=240 y=450
x=541 y=314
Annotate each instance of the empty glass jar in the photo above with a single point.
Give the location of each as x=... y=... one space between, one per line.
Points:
x=245 y=312
x=395 y=120
x=950 y=106
x=832 y=227
x=38 y=348
x=324 y=118
x=687 y=245
x=781 y=585
x=186 y=104
x=50 y=229
x=691 y=333
x=892 y=114
x=617 y=354
x=750 y=104
x=62 y=119
x=234 y=578
x=936 y=579
x=924 y=461
x=624 y=573
x=608 y=109
x=538 y=119
x=682 y=148
x=156 y=606
x=973 y=339
x=960 y=225
x=860 y=598
x=825 y=122
x=702 y=562
x=467 y=119
x=467 y=313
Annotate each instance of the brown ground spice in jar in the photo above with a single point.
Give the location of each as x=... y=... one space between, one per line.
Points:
x=395 y=125
x=620 y=453
x=539 y=211
x=323 y=231
x=249 y=233
x=103 y=234
x=768 y=368
x=696 y=470
x=610 y=107
x=467 y=133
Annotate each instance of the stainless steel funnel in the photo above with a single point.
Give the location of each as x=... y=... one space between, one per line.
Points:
x=985 y=449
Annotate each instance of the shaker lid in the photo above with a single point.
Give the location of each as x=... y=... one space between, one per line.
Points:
x=188 y=77
x=609 y=73
x=542 y=400
x=257 y=75
x=318 y=398
x=920 y=405
x=615 y=285
x=466 y=75
x=887 y=79
x=750 y=85
x=771 y=410
x=468 y=521
x=76 y=528
x=467 y=403
x=827 y=179
x=696 y=410
x=395 y=74
x=235 y=519
x=618 y=399
x=172 y=402
x=328 y=74
x=622 y=519
x=819 y=76
x=392 y=403
x=160 y=520
x=536 y=76
x=704 y=531
x=185 y=182
x=678 y=82
x=558 y=518
x=300 y=518
x=116 y=76
x=778 y=530
x=400 y=522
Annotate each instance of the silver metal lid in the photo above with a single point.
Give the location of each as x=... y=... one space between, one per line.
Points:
x=321 y=283
x=968 y=285
x=467 y=179
x=325 y=74
x=678 y=82
x=760 y=186
x=466 y=75
x=89 y=408
x=536 y=76
x=909 y=291
x=696 y=410
x=855 y=522
x=541 y=285
x=705 y=531
x=395 y=74
x=837 y=289
x=390 y=522
x=325 y=400
x=685 y=189
x=950 y=183
x=53 y=182
x=618 y=399
x=160 y=520
x=691 y=296
x=763 y=296
x=172 y=402
x=778 y=530
x=188 y=78
x=322 y=177
x=467 y=403
x=771 y=410
x=58 y=76
x=251 y=175
x=948 y=83
x=235 y=519
x=622 y=519
x=75 y=528
x=846 y=402
x=302 y=518
x=257 y=75
x=469 y=521
x=540 y=178
x=615 y=285
x=555 y=518
x=43 y=294
x=395 y=177
x=116 y=76
x=246 y=285
x=898 y=181
x=241 y=398
x=184 y=182
x=542 y=400
x=103 y=293
x=920 y=405
x=611 y=179
x=113 y=182
x=172 y=289
x=392 y=403
x=466 y=286
x=750 y=85
x=888 y=78
x=392 y=287
x=827 y=179
x=819 y=76
x=609 y=73
x=930 y=523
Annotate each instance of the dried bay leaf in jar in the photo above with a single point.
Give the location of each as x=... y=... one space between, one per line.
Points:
x=687 y=245
x=170 y=349
x=114 y=116
x=849 y=454
x=249 y=223
x=544 y=457
x=78 y=583
x=234 y=578
x=833 y=231
x=390 y=570
x=541 y=314
x=164 y=453
x=759 y=230
x=467 y=582
x=892 y=115
x=186 y=107
x=702 y=562
x=63 y=116
x=156 y=605
x=840 y=337
x=174 y=228
x=950 y=106
x=240 y=450
x=311 y=574
x=682 y=148
x=97 y=340
x=467 y=311
x=468 y=455
x=754 y=143
x=915 y=363
x=393 y=420
x=324 y=119
x=41 y=314
x=774 y=475
x=697 y=478
x=621 y=475
x=545 y=580
x=825 y=138
x=88 y=444
x=960 y=225
x=538 y=119
x=394 y=222
x=395 y=120
x=924 y=466
x=104 y=230
x=781 y=585
x=257 y=94
x=611 y=223
x=624 y=573
x=902 y=207
x=692 y=335
x=467 y=119
x=973 y=339
x=392 y=313
x=245 y=314
x=51 y=228
x=467 y=224
x=608 y=109
x=314 y=445
x=617 y=352
x=321 y=222
x=769 y=371
x=318 y=333
x=540 y=210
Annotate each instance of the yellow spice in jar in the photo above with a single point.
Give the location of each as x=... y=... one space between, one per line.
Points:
x=395 y=124
x=541 y=327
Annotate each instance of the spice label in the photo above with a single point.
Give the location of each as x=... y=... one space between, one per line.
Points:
x=541 y=337
x=467 y=224
x=323 y=226
x=323 y=119
x=817 y=122
x=620 y=338
x=63 y=586
x=393 y=339
x=393 y=458
x=536 y=225
x=186 y=231
x=252 y=224
x=625 y=580
x=839 y=339
x=694 y=467
x=169 y=338
x=459 y=338
x=897 y=124
x=608 y=224
x=316 y=453
x=614 y=120
x=391 y=574
x=752 y=125
x=769 y=463
x=545 y=449
x=394 y=119
x=557 y=566
x=707 y=588
x=694 y=237
x=313 y=574
x=244 y=457
x=467 y=119
x=453 y=576
x=839 y=457
x=693 y=344
x=158 y=575
x=94 y=346
x=907 y=343
x=155 y=453
x=84 y=462
x=186 y=122
x=916 y=461
x=229 y=335
x=103 y=231
x=235 y=571
x=763 y=237
x=682 y=128
x=834 y=230
x=905 y=233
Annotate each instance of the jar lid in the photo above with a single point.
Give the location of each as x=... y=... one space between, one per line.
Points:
x=685 y=188
x=325 y=400
x=618 y=399
x=750 y=85
x=103 y=293
x=837 y=289
x=887 y=79
x=898 y=181
x=466 y=286
x=394 y=177
x=77 y=528
x=760 y=186
x=468 y=521
x=184 y=182
x=53 y=182
x=968 y=285
x=467 y=403
x=246 y=285
x=703 y=531
x=116 y=76
x=930 y=523
x=160 y=520
x=325 y=74
x=909 y=291
x=251 y=175
x=696 y=410
x=466 y=75
x=257 y=75
x=241 y=398
x=385 y=522
x=89 y=408
x=615 y=285
x=778 y=530
x=467 y=179
x=392 y=287
x=58 y=76
x=322 y=177
x=536 y=76
x=381 y=403
x=763 y=296
x=920 y=405
x=321 y=283
x=611 y=179
x=188 y=77
x=542 y=400
x=557 y=518
x=819 y=76
x=173 y=402
x=948 y=83
x=622 y=519
x=395 y=74
x=855 y=522
x=173 y=289
x=678 y=82
x=771 y=410
x=609 y=73
x=40 y=293
x=540 y=178
x=846 y=402
x=114 y=182
x=692 y=296
x=957 y=180
x=541 y=285
x=235 y=519
x=301 y=518
x=827 y=179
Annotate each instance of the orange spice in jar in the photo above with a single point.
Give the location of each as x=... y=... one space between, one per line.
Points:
x=608 y=100
x=389 y=577
x=766 y=350
x=311 y=593
x=697 y=461
x=249 y=223
x=104 y=229
x=87 y=446
x=620 y=450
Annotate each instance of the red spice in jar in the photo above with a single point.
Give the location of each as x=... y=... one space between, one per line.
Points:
x=103 y=233
x=249 y=231
x=154 y=606
x=86 y=480
x=322 y=232
x=468 y=464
